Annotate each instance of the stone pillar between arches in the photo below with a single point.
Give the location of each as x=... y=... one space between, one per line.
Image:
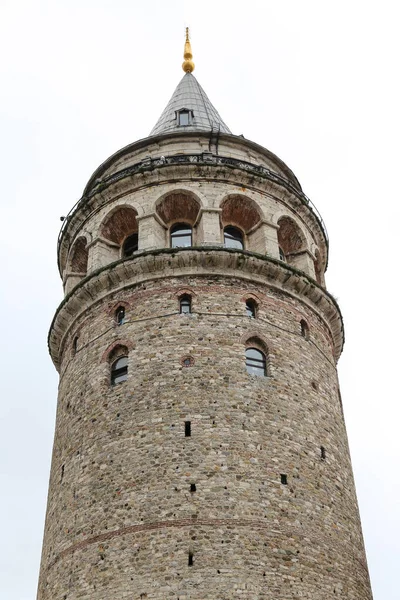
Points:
x=304 y=261
x=152 y=232
x=263 y=238
x=102 y=252
x=208 y=225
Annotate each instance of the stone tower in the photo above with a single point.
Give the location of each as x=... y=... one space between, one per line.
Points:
x=200 y=449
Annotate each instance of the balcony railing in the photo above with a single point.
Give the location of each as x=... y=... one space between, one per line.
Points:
x=204 y=158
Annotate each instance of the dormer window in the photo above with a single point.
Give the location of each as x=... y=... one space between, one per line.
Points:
x=184 y=117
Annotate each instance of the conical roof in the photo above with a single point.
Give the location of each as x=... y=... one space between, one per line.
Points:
x=189 y=96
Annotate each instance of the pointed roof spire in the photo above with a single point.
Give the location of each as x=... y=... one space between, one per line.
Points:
x=188 y=64
x=189 y=108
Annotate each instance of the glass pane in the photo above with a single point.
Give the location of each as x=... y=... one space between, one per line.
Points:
x=252 y=353
x=233 y=238
x=250 y=310
x=259 y=371
x=185 y=306
x=181 y=235
x=184 y=118
x=119 y=378
x=255 y=362
x=120 y=363
x=181 y=241
x=181 y=229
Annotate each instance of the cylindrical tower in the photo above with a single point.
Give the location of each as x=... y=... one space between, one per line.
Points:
x=200 y=449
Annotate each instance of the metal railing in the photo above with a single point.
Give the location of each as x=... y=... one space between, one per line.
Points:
x=204 y=158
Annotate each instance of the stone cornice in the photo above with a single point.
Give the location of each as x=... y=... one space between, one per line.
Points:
x=201 y=261
x=194 y=167
x=184 y=138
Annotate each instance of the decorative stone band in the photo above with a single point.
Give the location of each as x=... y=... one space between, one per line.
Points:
x=170 y=262
x=204 y=165
x=299 y=534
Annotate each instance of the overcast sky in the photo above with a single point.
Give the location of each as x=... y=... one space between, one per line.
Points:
x=316 y=83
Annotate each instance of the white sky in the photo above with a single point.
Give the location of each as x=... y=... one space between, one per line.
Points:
x=316 y=83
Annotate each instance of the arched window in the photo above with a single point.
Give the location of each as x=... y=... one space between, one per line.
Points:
x=185 y=305
x=233 y=237
x=120 y=315
x=119 y=370
x=282 y=255
x=79 y=256
x=305 y=330
x=181 y=235
x=251 y=308
x=130 y=245
x=256 y=362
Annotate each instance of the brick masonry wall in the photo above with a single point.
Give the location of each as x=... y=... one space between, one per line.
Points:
x=121 y=518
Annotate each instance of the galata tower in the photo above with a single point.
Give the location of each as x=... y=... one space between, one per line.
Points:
x=200 y=449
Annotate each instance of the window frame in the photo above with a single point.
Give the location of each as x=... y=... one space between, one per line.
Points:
x=174 y=235
x=237 y=238
x=124 y=252
x=185 y=300
x=251 y=308
x=117 y=372
x=258 y=364
x=190 y=116
x=118 y=319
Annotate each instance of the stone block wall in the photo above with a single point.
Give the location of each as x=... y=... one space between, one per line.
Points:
x=122 y=520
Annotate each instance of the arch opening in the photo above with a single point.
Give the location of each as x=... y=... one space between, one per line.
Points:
x=79 y=257
x=121 y=228
x=291 y=239
x=178 y=207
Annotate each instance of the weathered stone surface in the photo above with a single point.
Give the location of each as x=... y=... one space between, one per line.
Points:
x=260 y=497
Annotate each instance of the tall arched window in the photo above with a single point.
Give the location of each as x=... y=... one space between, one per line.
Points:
x=233 y=237
x=185 y=305
x=119 y=370
x=256 y=362
x=130 y=245
x=181 y=235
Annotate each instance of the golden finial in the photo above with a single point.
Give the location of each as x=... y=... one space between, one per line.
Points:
x=188 y=64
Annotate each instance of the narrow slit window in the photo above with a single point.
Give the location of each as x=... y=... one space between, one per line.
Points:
x=120 y=315
x=305 y=330
x=282 y=256
x=188 y=428
x=75 y=345
x=251 y=308
x=119 y=370
x=185 y=305
x=283 y=479
x=323 y=453
x=190 y=559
